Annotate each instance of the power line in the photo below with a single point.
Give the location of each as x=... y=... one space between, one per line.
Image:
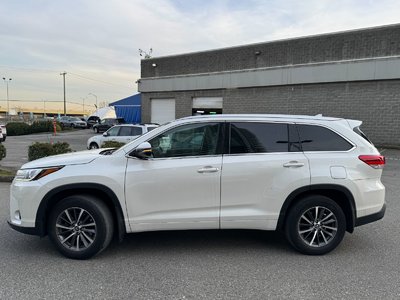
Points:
x=71 y=73
x=96 y=80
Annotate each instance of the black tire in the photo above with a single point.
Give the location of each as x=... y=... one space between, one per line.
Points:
x=93 y=146
x=315 y=235
x=86 y=240
x=72 y=126
x=97 y=130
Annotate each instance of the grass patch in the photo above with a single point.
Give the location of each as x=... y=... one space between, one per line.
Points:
x=6 y=173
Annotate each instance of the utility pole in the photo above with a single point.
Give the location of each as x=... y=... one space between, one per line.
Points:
x=65 y=102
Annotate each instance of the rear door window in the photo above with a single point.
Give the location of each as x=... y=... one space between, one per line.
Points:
x=136 y=131
x=125 y=131
x=252 y=137
x=318 y=138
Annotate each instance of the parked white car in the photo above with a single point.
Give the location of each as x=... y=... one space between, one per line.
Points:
x=3 y=132
x=119 y=133
x=311 y=177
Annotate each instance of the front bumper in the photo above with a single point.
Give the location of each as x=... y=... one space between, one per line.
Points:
x=371 y=218
x=26 y=230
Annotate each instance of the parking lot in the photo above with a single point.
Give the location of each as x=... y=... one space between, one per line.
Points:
x=235 y=264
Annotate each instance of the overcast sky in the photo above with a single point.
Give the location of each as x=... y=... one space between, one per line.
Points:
x=96 y=41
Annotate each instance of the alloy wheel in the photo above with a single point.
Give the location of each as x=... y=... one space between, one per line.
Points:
x=76 y=229
x=317 y=226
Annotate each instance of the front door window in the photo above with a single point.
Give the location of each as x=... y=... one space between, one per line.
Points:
x=188 y=140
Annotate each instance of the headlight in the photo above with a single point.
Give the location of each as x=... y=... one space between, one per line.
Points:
x=35 y=174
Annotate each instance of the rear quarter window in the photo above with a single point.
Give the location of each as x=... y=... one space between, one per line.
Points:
x=318 y=138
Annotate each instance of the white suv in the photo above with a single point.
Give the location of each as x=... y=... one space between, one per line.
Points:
x=3 y=133
x=119 y=133
x=312 y=177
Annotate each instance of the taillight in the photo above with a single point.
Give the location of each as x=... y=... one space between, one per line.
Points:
x=375 y=161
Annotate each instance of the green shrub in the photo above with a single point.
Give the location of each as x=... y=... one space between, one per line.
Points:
x=3 y=151
x=17 y=128
x=60 y=148
x=21 y=128
x=39 y=150
x=112 y=144
x=41 y=126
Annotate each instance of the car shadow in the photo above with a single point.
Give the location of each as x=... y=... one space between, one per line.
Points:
x=201 y=241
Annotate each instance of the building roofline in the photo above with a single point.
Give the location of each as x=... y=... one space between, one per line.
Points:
x=277 y=41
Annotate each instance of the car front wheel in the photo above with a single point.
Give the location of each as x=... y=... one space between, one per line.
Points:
x=80 y=226
x=93 y=146
x=315 y=225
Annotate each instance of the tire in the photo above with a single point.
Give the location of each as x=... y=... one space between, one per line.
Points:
x=315 y=225
x=87 y=239
x=72 y=126
x=97 y=130
x=93 y=146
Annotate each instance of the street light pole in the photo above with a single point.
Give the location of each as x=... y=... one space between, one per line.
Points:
x=65 y=102
x=96 y=99
x=83 y=101
x=8 y=103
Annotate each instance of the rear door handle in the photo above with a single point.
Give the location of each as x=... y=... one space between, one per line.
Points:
x=293 y=164
x=208 y=169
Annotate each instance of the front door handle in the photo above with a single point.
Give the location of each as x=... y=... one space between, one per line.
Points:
x=208 y=169
x=293 y=164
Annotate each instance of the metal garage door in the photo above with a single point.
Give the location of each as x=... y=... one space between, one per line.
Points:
x=162 y=110
x=207 y=105
x=207 y=102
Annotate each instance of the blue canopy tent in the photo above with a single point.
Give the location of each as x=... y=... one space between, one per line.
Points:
x=129 y=108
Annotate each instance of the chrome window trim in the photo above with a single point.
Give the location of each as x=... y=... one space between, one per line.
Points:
x=177 y=157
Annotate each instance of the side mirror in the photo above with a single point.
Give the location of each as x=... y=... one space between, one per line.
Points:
x=143 y=151
x=105 y=134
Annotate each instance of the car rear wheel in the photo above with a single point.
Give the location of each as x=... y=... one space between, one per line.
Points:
x=315 y=225
x=80 y=226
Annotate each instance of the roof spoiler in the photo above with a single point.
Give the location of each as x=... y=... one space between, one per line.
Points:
x=354 y=123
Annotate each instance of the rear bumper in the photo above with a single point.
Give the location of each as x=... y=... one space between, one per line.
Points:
x=371 y=218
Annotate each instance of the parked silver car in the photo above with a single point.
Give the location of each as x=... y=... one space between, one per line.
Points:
x=73 y=122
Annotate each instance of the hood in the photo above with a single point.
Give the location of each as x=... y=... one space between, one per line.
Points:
x=73 y=158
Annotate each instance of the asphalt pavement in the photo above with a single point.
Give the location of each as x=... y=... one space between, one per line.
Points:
x=17 y=146
x=233 y=264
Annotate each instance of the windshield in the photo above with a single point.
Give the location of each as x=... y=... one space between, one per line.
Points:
x=75 y=119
